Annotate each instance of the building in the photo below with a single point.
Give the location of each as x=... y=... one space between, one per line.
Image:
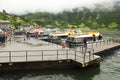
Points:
x=4 y=24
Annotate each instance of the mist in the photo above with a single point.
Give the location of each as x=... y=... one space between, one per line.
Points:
x=20 y=7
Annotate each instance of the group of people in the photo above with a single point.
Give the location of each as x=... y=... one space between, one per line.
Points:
x=28 y=35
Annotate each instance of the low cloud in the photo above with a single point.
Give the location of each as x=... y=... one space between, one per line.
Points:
x=55 y=6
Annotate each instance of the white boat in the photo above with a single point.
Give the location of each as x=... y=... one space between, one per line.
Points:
x=78 y=39
x=59 y=36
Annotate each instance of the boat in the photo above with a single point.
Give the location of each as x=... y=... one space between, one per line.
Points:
x=78 y=39
x=60 y=36
x=57 y=37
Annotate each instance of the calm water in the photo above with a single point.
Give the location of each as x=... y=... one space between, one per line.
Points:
x=109 y=70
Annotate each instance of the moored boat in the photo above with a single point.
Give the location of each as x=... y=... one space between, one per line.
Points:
x=78 y=39
x=57 y=37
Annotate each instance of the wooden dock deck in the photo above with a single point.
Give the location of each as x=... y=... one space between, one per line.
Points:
x=79 y=56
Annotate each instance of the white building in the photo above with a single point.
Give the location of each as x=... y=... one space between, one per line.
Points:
x=4 y=24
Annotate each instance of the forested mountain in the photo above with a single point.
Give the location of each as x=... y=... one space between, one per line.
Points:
x=98 y=18
x=16 y=21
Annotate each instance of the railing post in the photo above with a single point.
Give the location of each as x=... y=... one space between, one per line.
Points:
x=9 y=56
x=57 y=54
x=96 y=44
x=26 y=56
x=92 y=44
x=82 y=49
x=66 y=53
x=75 y=54
x=89 y=55
x=93 y=53
x=42 y=55
x=84 y=56
x=100 y=43
x=103 y=43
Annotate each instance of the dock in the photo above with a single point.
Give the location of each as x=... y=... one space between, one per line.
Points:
x=52 y=56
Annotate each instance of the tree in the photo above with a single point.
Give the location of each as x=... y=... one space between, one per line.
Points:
x=82 y=25
x=113 y=25
x=95 y=25
x=4 y=11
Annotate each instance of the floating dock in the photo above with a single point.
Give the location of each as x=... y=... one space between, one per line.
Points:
x=51 y=56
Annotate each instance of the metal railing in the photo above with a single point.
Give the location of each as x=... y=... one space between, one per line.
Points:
x=42 y=55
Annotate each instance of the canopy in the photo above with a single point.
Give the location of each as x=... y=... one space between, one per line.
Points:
x=36 y=30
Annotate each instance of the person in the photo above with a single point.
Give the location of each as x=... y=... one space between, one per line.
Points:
x=94 y=37
x=36 y=35
x=24 y=36
x=28 y=35
x=63 y=44
x=100 y=37
x=85 y=42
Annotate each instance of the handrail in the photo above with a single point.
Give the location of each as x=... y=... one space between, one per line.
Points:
x=26 y=54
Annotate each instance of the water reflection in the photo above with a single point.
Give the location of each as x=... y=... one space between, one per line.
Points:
x=110 y=66
x=73 y=74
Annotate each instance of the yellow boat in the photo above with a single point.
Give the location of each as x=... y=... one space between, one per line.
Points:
x=95 y=33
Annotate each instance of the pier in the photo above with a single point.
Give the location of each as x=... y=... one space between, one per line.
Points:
x=52 y=56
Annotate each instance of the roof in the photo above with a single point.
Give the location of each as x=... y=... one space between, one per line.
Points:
x=84 y=35
x=4 y=21
x=59 y=34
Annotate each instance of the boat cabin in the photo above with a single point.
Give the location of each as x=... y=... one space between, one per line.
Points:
x=57 y=37
x=60 y=36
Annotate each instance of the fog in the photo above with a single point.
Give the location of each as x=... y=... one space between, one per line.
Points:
x=20 y=7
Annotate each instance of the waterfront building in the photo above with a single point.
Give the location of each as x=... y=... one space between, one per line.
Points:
x=4 y=24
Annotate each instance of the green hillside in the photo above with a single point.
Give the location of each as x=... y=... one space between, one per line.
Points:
x=85 y=18
x=15 y=20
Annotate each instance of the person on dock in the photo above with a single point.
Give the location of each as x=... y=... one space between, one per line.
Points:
x=100 y=37
x=36 y=35
x=94 y=37
x=63 y=44
x=28 y=35
x=85 y=42
x=24 y=36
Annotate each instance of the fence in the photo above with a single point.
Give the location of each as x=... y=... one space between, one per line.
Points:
x=43 y=55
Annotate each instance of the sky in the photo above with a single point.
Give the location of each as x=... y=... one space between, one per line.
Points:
x=25 y=6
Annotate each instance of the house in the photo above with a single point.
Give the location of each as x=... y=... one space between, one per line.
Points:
x=4 y=24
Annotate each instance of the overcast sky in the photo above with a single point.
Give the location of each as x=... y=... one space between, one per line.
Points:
x=23 y=6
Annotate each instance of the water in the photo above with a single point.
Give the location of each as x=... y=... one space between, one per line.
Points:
x=109 y=70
